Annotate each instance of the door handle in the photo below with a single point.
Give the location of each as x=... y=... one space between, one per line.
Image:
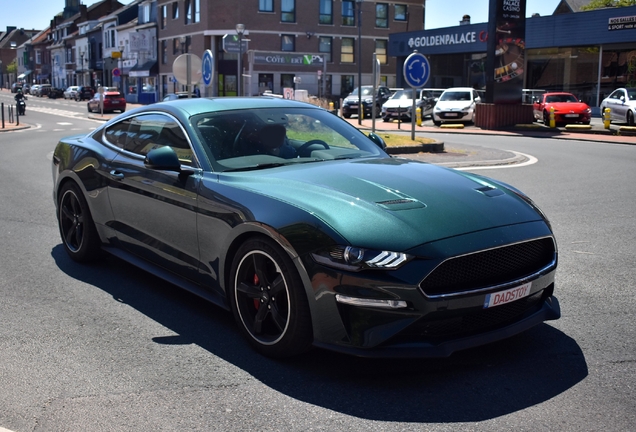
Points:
x=117 y=175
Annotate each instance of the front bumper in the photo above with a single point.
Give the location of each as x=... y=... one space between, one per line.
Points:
x=453 y=115
x=445 y=305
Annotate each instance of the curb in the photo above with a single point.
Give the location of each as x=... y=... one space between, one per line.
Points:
x=436 y=147
x=16 y=128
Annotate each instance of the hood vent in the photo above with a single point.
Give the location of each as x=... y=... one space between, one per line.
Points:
x=489 y=191
x=401 y=204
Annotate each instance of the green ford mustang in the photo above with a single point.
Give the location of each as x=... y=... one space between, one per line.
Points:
x=306 y=229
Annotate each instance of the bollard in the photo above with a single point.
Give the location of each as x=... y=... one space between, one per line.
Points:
x=552 y=119
x=418 y=116
x=606 y=118
x=361 y=111
x=2 y=113
x=330 y=106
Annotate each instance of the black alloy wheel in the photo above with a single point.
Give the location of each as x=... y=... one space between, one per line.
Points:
x=77 y=229
x=268 y=300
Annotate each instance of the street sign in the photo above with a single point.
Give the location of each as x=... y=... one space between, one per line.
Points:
x=207 y=67
x=116 y=72
x=416 y=70
x=231 y=44
x=187 y=63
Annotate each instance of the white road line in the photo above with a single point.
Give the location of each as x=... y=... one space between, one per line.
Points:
x=531 y=161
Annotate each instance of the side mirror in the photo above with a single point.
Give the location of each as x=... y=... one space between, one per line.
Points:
x=377 y=139
x=163 y=159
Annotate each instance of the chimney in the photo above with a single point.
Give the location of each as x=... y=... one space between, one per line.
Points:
x=465 y=20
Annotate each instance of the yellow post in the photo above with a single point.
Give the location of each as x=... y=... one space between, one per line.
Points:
x=361 y=111
x=330 y=106
x=552 y=120
x=606 y=118
x=418 y=116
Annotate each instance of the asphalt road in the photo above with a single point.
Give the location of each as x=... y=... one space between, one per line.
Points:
x=107 y=347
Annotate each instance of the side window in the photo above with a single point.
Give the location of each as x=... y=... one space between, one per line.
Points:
x=151 y=131
x=117 y=133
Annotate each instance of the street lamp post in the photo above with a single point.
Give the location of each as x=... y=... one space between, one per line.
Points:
x=359 y=60
x=240 y=29
x=121 y=70
x=82 y=68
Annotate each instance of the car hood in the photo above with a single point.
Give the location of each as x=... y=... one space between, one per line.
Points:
x=389 y=202
x=398 y=103
x=568 y=106
x=355 y=98
x=453 y=105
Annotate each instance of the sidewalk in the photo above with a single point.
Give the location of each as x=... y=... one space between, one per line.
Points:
x=617 y=134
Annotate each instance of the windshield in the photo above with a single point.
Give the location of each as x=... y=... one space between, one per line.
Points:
x=456 y=96
x=406 y=94
x=263 y=138
x=631 y=93
x=365 y=91
x=560 y=98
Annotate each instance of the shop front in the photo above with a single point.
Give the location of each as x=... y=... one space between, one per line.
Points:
x=588 y=54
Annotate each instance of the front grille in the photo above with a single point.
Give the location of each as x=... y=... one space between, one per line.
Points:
x=478 y=321
x=489 y=268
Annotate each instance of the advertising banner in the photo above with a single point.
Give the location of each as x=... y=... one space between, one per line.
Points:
x=506 y=51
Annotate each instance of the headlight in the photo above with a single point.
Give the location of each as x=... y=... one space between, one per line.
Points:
x=355 y=259
x=467 y=108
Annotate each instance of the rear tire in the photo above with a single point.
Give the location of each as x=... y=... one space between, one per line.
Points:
x=268 y=300
x=77 y=229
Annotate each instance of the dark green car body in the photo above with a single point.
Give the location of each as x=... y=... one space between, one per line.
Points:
x=435 y=246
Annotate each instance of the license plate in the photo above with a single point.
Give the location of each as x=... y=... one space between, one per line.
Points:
x=571 y=115
x=353 y=106
x=507 y=296
x=114 y=102
x=452 y=114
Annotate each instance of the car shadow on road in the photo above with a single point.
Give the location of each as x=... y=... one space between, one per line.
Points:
x=470 y=386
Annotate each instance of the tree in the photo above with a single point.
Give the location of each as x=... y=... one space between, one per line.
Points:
x=12 y=67
x=600 y=4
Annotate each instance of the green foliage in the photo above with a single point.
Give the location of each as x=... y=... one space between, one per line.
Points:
x=600 y=4
x=12 y=67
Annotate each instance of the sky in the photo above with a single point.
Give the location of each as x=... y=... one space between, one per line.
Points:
x=37 y=14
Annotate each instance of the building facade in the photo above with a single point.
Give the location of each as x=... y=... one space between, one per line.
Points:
x=586 y=53
x=344 y=33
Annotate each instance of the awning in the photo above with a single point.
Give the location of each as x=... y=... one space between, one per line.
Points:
x=24 y=75
x=143 y=70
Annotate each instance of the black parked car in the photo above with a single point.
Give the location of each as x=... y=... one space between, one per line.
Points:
x=84 y=93
x=55 y=93
x=350 y=104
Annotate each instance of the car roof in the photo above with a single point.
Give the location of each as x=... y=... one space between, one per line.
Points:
x=194 y=105
x=460 y=89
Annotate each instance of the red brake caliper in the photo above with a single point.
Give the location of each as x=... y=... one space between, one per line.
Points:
x=257 y=303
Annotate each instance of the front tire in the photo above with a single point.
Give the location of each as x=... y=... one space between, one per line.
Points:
x=630 y=118
x=77 y=229
x=268 y=300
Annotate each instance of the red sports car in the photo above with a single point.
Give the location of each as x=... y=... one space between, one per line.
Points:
x=567 y=108
x=113 y=101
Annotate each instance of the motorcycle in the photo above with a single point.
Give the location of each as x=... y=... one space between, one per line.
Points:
x=21 y=105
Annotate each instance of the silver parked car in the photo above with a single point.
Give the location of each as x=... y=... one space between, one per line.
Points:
x=622 y=105
x=400 y=105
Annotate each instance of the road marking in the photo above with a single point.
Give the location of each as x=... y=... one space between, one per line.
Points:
x=531 y=161
x=64 y=123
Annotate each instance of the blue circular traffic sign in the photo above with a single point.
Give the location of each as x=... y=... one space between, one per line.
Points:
x=416 y=70
x=207 y=67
